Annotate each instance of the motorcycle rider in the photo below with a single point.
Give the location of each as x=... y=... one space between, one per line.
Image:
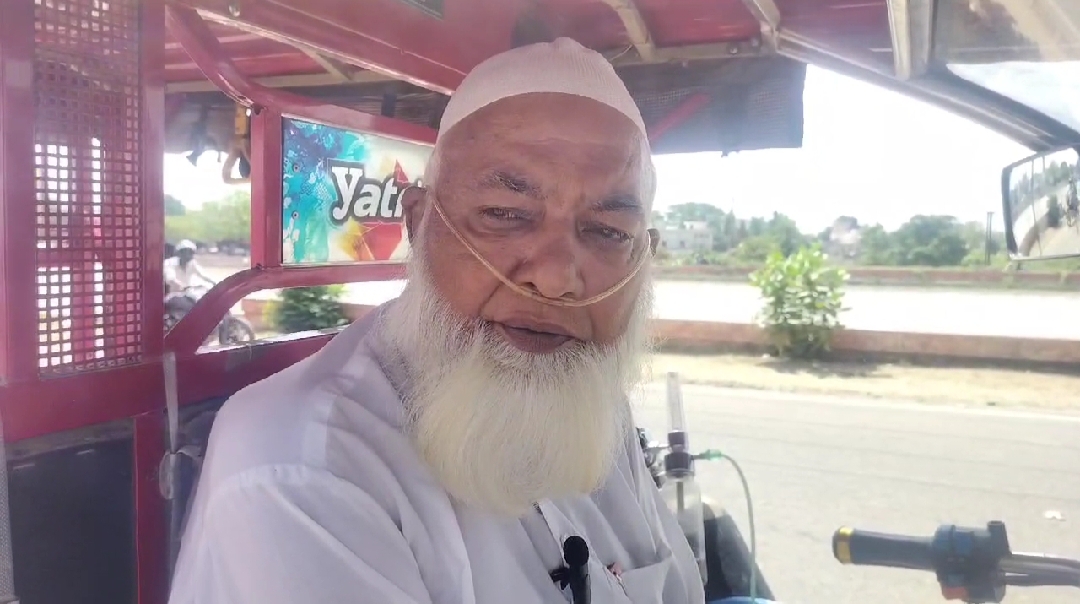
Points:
x=181 y=272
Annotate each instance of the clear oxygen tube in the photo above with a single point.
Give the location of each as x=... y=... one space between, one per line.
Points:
x=681 y=493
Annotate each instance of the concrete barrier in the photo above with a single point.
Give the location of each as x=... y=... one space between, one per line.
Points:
x=913 y=276
x=704 y=337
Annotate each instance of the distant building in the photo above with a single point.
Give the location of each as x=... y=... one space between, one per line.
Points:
x=844 y=237
x=685 y=238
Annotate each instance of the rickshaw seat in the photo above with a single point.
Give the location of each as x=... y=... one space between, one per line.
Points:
x=194 y=436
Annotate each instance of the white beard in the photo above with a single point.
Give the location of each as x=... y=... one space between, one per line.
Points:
x=501 y=428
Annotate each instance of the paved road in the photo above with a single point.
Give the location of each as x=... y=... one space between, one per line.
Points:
x=1061 y=241
x=815 y=464
x=1029 y=218
x=932 y=310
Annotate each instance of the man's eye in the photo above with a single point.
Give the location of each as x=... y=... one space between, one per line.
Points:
x=610 y=234
x=506 y=214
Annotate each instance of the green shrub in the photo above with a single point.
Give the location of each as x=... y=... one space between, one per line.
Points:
x=803 y=300
x=308 y=308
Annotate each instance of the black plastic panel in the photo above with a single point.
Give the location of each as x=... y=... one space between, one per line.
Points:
x=728 y=559
x=753 y=103
x=72 y=517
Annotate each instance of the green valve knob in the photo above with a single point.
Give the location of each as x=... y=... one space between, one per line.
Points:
x=710 y=455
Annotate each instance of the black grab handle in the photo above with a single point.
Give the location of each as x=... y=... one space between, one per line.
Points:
x=851 y=546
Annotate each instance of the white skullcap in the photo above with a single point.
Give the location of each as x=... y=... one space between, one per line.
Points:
x=560 y=66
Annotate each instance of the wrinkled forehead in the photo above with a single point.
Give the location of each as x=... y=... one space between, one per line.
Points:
x=552 y=136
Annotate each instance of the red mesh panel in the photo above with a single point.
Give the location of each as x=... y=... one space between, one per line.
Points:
x=88 y=182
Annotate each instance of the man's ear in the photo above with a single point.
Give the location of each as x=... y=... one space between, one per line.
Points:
x=412 y=204
x=654 y=240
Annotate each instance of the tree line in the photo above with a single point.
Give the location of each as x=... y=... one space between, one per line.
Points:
x=1047 y=182
x=921 y=241
x=224 y=222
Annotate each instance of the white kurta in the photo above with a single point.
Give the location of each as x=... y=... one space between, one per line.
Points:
x=311 y=494
x=183 y=274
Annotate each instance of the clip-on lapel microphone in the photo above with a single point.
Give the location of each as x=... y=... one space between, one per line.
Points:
x=576 y=572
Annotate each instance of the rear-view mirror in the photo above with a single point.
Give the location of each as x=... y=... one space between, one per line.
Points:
x=1041 y=207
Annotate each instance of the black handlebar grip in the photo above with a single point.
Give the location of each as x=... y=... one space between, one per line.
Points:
x=882 y=549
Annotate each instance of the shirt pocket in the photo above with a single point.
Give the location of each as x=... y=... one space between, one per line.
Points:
x=645 y=585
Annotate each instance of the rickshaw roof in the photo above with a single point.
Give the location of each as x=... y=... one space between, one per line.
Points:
x=355 y=54
x=419 y=50
x=264 y=47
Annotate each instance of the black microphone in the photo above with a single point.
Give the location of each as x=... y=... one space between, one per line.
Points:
x=576 y=557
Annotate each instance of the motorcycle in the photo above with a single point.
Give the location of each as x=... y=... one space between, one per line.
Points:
x=231 y=330
x=973 y=565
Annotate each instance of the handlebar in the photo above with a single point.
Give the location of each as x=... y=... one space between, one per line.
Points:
x=971 y=564
x=866 y=548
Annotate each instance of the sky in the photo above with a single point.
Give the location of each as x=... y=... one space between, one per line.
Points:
x=867 y=152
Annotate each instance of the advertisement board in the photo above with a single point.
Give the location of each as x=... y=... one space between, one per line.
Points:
x=341 y=194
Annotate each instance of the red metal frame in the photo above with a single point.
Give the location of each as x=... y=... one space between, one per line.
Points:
x=189 y=334
x=18 y=275
x=205 y=50
x=152 y=131
x=392 y=38
x=198 y=39
x=266 y=194
x=137 y=393
x=388 y=36
x=151 y=539
x=61 y=404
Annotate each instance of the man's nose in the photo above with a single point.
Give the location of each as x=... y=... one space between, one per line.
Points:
x=554 y=270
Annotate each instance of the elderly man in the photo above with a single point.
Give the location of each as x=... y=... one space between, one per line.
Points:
x=445 y=448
